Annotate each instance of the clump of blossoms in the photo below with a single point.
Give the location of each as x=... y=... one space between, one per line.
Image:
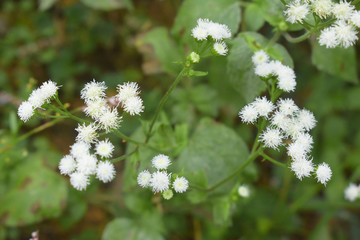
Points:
x=37 y=99
x=284 y=122
x=352 y=192
x=207 y=30
x=162 y=181
x=343 y=32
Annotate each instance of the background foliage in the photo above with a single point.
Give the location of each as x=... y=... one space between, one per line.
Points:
x=74 y=41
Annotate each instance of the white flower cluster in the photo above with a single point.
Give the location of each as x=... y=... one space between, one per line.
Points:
x=285 y=76
x=80 y=164
x=160 y=181
x=352 y=192
x=38 y=97
x=342 y=33
x=218 y=32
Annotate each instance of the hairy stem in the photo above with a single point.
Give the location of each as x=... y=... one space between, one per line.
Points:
x=124 y=156
x=266 y=157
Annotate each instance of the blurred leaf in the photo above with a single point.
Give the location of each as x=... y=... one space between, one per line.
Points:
x=107 y=4
x=13 y=122
x=221 y=211
x=197 y=73
x=340 y=62
x=215 y=150
x=45 y=193
x=253 y=18
x=46 y=4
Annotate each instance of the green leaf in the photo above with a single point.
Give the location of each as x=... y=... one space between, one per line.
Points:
x=45 y=193
x=221 y=210
x=13 y=122
x=253 y=19
x=148 y=227
x=197 y=73
x=46 y=4
x=339 y=62
x=107 y=4
x=215 y=150
x=165 y=50
x=222 y=11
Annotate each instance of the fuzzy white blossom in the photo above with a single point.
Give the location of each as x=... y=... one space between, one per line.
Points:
x=110 y=119
x=323 y=173
x=328 y=38
x=49 y=89
x=296 y=150
x=78 y=149
x=355 y=18
x=168 y=194
x=302 y=168
x=104 y=148
x=263 y=69
x=86 y=164
x=342 y=10
x=161 y=161
x=244 y=191
x=79 y=180
x=199 y=33
x=260 y=57
x=305 y=140
x=263 y=106
x=287 y=106
x=67 y=165
x=134 y=105
x=306 y=119
x=206 y=28
x=345 y=33
x=105 y=171
x=249 y=114
x=220 y=48
x=352 y=192
x=144 y=178
x=127 y=90
x=296 y=11
x=286 y=78
x=180 y=185
x=271 y=138
x=160 y=181
x=96 y=108
x=37 y=98
x=25 y=111
x=322 y=8
x=93 y=91
x=86 y=133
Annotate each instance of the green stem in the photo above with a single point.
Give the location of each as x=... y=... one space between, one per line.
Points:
x=163 y=100
x=124 y=156
x=126 y=138
x=266 y=157
x=301 y=38
x=48 y=116
x=274 y=39
x=283 y=2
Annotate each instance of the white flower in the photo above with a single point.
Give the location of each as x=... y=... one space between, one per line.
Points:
x=180 y=185
x=220 y=48
x=271 y=138
x=127 y=90
x=263 y=106
x=168 y=194
x=306 y=119
x=199 y=33
x=305 y=140
x=287 y=106
x=79 y=180
x=105 y=171
x=87 y=133
x=296 y=11
x=160 y=181
x=302 y=168
x=264 y=69
x=248 y=114
x=328 y=38
x=104 y=148
x=93 y=91
x=244 y=191
x=110 y=119
x=286 y=78
x=352 y=192
x=87 y=164
x=37 y=98
x=161 y=161
x=280 y=120
x=218 y=31
x=203 y=22
x=297 y=151
x=96 y=108
x=144 y=178
x=134 y=105
x=355 y=18
x=345 y=33
x=78 y=149
x=293 y=128
x=322 y=8
x=260 y=57
x=342 y=10
x=67 y=165
x=25 y=111
x=323 y=173
x=49 y=89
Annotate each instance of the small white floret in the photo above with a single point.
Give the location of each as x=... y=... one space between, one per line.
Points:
x=180 y=185
x=160 y=181
x=328 y=38
x=79 y=180
x=218 y=31
x=134 y=105
x=78 y=149
x=199 y=33
x=104 y=148
x=286 y=78
x=306 y=119
x=271 y=138
x=352 y=192
x=87 y=164
x=220 y=48
x=263 y=106
x=296 y=12
x=144 y=178
x=25 y=111
x=105 y=171
x=322 y=8
x=67 y=165
x=260 y=57
x=93 y=91
x=87 y=133
x=95 y=109
x=264 y=69
x=37 y=98
x=287 y=106
x=323 y=173
x=346 y=34
x=248 y=114
x=49 y=89
x=244 y=191
x=302 y=168
x=110 y=119
x=127 y=90
x=342 y=10
x=161 y=161
x=355 y=18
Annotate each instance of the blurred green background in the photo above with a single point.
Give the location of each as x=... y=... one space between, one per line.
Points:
x=74 y=41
